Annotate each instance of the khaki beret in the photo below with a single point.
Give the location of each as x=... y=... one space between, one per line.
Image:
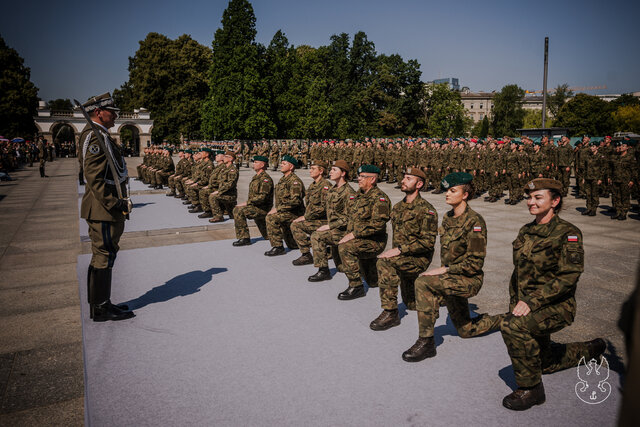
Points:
x=324 y=165
x=415 y=172
x=230 y=153
x=543 y=184
x=342 y=165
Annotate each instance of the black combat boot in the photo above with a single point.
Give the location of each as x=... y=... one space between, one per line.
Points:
x=242 y=242
x=171 y=194
x=387 y=319
x=275 y=251
x=196 y=209
x=81 y=178
x=596 y=348
x=186 y=202
x=585 y=212
x=304 y=259
x=422 y=349
x=352 y=292
x=524 y=398
x=101 y=308
x=322 y=274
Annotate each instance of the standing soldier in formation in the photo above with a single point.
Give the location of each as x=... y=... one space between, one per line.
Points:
x=463 y=243
x=565 y=156
x=415 y=227
x=42 y=156
x=366 y=234
x=548 y=259
x=315 y=214
x=338 y=201
x=624 y=172
x=101 y=207
x=225 y=196
x=289 y=205
x=258 y=204
x=594 y=164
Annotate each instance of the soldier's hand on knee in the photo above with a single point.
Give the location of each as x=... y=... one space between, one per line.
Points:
x=272 y=211
x=299 y=219
x=346 y=238
x=390 y=253
x=323 y=227
x=521 y=309
x=435 y=272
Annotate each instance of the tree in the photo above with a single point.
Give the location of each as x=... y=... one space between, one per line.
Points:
x=18 y=94
x=484 y=129
x=627 y=118
x=444 y=111
x=60 y=105
x=558 y=99
x=167 y=77
x=508 y=114
x=533 y=119
x=238 y=104
x=586 y=114
x=625 y=99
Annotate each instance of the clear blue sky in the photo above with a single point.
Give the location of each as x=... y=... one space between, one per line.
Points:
x=76 y=49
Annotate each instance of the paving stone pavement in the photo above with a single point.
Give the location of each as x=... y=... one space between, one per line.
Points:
x=41 y=372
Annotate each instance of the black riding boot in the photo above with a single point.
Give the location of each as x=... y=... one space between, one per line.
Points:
x=99 y=294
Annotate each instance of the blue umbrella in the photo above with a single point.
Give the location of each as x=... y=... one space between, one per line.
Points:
x=17 y=140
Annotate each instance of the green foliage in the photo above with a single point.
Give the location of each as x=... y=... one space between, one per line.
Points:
x=626 y=99
x=238 y=104
x=167 y=77
x=484 y=130
x=627 y=118
x=60 y=105
x=18 y=94
x=586 y=114
x=533 y=119
x=558 y=99
x=508 y=114
x=444 y=111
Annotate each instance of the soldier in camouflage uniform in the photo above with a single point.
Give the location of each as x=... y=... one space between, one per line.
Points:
x=289 y=200
x=565 y=157
x=212 y=185
x=200 y=181
x=366 y=234
x=185 y=173
x=415 y=227
x=225 y=197
x=594 y=163
x=167 y=168
x=548 y=259
x=315 y=214
x=463 y=242
x=338 y=202
x=623 y=174
x=258 y=204
x=171 y=183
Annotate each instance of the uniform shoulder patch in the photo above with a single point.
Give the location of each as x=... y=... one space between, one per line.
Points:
x=94 y=149
x=477 y=228
x=431 y=212
x=572 y=238
x=266 y=180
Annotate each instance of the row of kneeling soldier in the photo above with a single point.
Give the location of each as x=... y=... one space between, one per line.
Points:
x=350 y=226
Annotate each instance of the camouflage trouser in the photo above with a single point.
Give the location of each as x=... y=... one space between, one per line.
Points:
x=222 y=203
x=580 y=186
x=172 y=182
x=513 y=185
x=495 y=188
x=621 y=197
x=139 y=169
x=530 y=348
x=400 y=272
x=203 y=197
x=453 y=290
x=184 y=186
x=592 y=191
x=278 y=228
x=360 y=255
x=302 y=231
x=161 y=178
x=240 y=215
x=319 y=242
x=193 y=193
x=563 y=177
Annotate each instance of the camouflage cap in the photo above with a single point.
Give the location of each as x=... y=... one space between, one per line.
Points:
x=543 y=184
x=261 y=159
x=415 y=172
x=342 y=165
x=104 y=101
x=324 y=165
x=456 y=178
x=369 y=169
x=291 y=160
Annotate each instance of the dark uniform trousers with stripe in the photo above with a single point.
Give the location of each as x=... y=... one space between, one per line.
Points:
x=105 y=236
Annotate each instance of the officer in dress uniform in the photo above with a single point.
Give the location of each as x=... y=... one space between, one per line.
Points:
x=101 y=207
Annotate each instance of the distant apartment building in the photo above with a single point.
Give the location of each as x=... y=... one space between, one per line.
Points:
x=478 y=105
x=453 y=82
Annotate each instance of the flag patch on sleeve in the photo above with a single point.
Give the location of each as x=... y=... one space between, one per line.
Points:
x=477 y=228
x=572 y=238
x=431 y=212
x=382 y=199
x=266 y=180
x=352 y=197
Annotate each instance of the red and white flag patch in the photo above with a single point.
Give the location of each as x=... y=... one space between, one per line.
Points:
x=572 y=238
x=477 y=228
x=431 y=212
x=352 y=197
x=382 y=199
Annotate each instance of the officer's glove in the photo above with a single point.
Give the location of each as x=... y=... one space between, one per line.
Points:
x=123 y=206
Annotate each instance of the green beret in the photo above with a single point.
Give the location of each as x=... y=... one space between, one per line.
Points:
x=260 y=159
x=219 y=152
x=169 y=149
x=369 y=169
x=456 y=178
x=291 y=160
x=188 y=151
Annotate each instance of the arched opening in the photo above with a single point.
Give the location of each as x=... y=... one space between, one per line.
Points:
x=63 y=136
x=130 y=139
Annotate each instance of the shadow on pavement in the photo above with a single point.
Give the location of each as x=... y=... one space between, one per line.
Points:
x=182 y=285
